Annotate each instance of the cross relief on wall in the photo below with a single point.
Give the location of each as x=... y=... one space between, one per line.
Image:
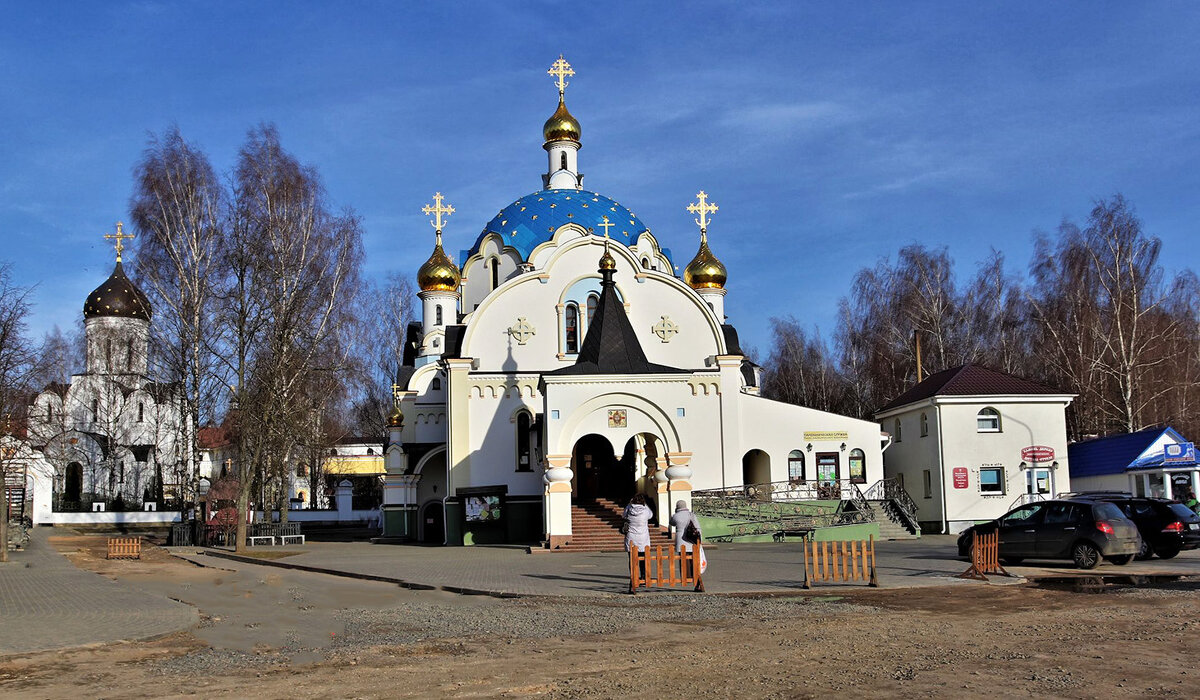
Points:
x=665 y=329
x=522 y=331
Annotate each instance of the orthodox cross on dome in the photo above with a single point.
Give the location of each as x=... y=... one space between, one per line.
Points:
x=702 y=208
x=396 y=394
x=437 y=210
x=120 y=237
x=606 y=225
x=560 y=69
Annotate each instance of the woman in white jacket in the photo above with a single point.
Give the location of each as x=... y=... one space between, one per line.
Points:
x=637 y=519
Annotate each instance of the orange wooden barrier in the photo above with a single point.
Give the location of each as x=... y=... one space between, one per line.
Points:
x=985 y=556
x=125 y=548
x=664 y=570
x=840 y=561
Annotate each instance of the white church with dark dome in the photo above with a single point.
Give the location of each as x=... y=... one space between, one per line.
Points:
x=561 y=365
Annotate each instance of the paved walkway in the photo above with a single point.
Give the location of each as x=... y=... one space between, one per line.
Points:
x=48 y=603
x=733 y=568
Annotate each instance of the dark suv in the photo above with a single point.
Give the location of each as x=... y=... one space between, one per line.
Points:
x=1078 y=529
x=1167 y=527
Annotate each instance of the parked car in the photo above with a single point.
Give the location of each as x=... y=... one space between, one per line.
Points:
x=1167 y=527
x=1082 y=530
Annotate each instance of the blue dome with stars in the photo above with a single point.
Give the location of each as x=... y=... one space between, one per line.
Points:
x=532 y=220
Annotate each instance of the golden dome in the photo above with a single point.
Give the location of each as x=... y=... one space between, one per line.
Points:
x=705 y=271
x=396 y=419
x=561 y=126
x=607 y=261
x=439 y=273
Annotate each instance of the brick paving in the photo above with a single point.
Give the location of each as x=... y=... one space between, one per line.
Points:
x=733 y=568
x=48 y=603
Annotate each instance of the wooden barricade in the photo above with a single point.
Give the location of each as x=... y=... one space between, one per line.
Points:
x=840 y=561
x=125 y=548
x=985 y=556
x=663 y=570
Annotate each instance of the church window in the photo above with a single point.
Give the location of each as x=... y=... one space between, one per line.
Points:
x=436 y=343
x=924 y=425
x=524 y=443
x=858 y=466
x=121 y=471
x=95 y=410
x=141 y=412
x=108 y=353
x=495 y=272
x=437 y=384
x=302 y=469
x=571 y=317
x=563 y=160
x=796 y=467
x=370 y=450
x=49 y=414
x=437 y=316
x=896 y=431
x=129 y=356
x=592 y=302
x=646 y=263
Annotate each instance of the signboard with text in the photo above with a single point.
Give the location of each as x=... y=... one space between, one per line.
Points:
x=815 y=435
x=1037 y=453
x=1179 y=453
x=960 y=478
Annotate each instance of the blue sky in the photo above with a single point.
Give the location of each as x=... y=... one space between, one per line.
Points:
x=830 y=134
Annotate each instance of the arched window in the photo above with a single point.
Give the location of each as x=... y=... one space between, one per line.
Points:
x=592 y=302
x=437 y=315
x=49 y=413
x=987 y=421
x=796 y=467
x=858 y=466
x=646 y=263
x=141 y=412
x=524 y=443
x=436 y=385
x=129 y=356
x=495 y=272
x=562 y=161
x=95 y=410
x=896 y=430
x=924 y=425
x=108 y=353
x=571 y=328
x=370 y=450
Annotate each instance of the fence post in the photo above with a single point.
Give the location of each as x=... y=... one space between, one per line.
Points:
x=804 y=545
x=633 y=569
x=874 y=582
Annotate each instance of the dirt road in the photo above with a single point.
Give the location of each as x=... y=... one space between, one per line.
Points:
x=271 y=633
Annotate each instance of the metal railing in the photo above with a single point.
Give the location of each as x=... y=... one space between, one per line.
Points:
x=1027 y=498
x=785 y=506
x=892 y=491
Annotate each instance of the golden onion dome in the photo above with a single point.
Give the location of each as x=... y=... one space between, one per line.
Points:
x=705 y=271
x=607 y=261
x=439 y=273
x=561 y=126
x=396 y=418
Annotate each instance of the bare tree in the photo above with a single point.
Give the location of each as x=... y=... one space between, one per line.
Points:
x=801 y=371
x=17 y=365
x=177 y=212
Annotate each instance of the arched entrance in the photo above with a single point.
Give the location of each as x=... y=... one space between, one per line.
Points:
x=598 y=471
x=73 y=483
x=756 y=467
x=643 y=451
x=433 y=523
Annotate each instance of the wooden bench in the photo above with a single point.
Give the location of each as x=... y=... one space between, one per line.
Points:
x=652 y=568
x=125 y=548
x=255 y=540
x=291 y=539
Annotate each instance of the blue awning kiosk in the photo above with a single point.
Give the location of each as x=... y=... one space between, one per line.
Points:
x=1156 y=462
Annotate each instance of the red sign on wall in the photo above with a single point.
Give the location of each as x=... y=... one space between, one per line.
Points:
x=1037 y=453
x=961 y=480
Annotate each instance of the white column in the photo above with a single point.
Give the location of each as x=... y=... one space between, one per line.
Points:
x=558 y=500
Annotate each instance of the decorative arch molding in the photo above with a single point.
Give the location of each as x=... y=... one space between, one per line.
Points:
x=441 y=450
x=656 y=416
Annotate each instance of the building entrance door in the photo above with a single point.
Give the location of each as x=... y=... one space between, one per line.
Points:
x=598 y=472
x=1039 y=481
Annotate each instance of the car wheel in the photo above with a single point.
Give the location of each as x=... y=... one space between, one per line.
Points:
x=1013 y=561
x=1085 y=555
x=1166 y=552
x=1146 y=551
x=1121 y=560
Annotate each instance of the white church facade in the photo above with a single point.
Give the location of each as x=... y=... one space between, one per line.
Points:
x=563 y=361
x=109 y=440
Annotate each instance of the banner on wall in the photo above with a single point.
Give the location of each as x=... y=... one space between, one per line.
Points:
x=1179 y=453
x=1035 y=454
x=960 y=478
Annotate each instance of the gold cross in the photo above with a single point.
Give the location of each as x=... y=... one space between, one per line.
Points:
x=703 y=208
x=437 y=210
x=606 y=225
x=396 y=395
x=120 y=236
x=560 y=70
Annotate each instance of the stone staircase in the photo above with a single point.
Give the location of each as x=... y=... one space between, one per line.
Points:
x=891 y=524
x=595 y=527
